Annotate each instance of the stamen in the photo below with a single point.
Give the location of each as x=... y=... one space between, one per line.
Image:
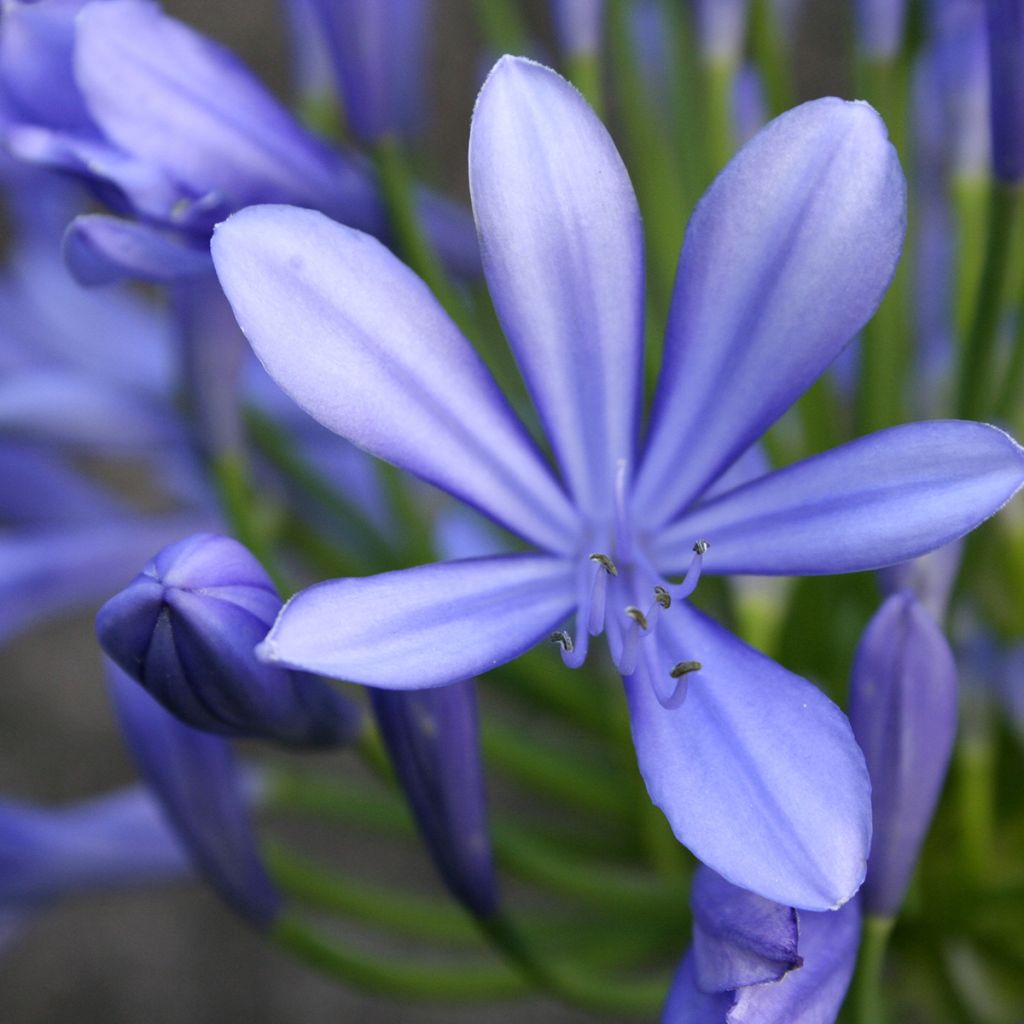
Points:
x=662 y=596
x=692 y=577
x=638 y=617
x=563 y=639
x=598 y=598
x=684 y=668
x=606 y=563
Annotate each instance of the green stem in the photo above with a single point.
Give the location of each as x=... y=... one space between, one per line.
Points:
x=719 y=78
x=976 y=790
x=869 y=1000
x=398 y=189
x=585 y=73
x=402 y=913
x=502 y=25
x=770 y=57
x=386 y=975
x=977 y=385
x=562 y=776
x=569 y=984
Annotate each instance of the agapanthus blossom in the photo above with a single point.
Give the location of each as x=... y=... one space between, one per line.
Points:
x=785 y=258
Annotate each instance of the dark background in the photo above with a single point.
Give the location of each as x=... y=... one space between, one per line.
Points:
x=167 y=955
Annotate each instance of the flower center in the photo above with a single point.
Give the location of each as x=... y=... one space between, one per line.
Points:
x=626 y=601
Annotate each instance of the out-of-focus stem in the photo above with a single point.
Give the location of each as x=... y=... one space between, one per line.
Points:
x=867 y=989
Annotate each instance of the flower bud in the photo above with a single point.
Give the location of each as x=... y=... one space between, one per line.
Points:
x=721 y=29
x=194 y=777
x=755 y=960
x=1006 y=70
x=880 y=27
x=433 y=739
x=378 y=48
x=903 y=705
x=186 y=629
x=578 y=25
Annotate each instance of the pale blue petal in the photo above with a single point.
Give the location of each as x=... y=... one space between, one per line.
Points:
x=562 y=248
x=426 y=626
x=757 y=772
x=785 y=258
x=881 y=499
x=362 y=345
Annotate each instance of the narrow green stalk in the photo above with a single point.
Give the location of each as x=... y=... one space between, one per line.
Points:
x=869 y=999
x=970 y=201
x=398 y=189
x=1011 y=397
x=719 y=78
x=401 y=913
x=976 y=770
x=561 y=776
x=585 y=73
x=597 y=885
x=389 y=976
x=660 y=184
x=978 y=386
x=279 y=451
x=242 y=513
x=501 y=23
x=571 y=985
x=885 y=348
x=977 y=397
x=770 y=57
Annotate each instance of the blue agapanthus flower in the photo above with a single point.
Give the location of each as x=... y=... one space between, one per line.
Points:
x=785 y=258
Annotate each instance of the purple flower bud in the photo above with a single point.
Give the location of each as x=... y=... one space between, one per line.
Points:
x=880 y=27
x=781 y=964
x=1006 y=63
x=749 y=109
x=721 y=29
x=186 y=629
x=903 y=703
x=930 y=578
x=194 y=777
x=379 y=50
x=433 y=739
x=578 y=25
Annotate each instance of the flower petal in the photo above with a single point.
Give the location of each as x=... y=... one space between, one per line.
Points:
x=757 y=772
x=687 y=1004
x=363 y=346
x=101 y=249
x=562 y=248
x=426 y=626
x=813 y=994
x=881 y=499
x=739 y=938
x=785 y=258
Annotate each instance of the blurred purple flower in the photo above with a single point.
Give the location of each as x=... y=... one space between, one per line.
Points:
x=579 y=25
x=880 y=27
x=173 y=131
x=186 y=628
x=379 y=50
x=785 y=258
x=1006 y=64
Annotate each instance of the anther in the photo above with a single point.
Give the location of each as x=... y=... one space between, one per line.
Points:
x=637 y=616
x=701 y=547
x=563 y=639
x=683 y=668
x=606 y=563
x=662 y=596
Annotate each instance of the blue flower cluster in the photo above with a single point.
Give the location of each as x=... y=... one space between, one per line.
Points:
x=351 y=433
